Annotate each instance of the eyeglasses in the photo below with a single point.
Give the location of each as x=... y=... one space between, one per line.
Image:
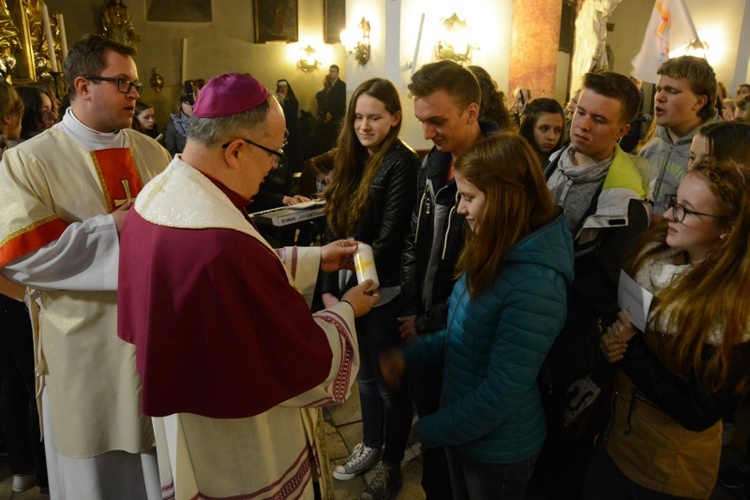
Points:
x=277 y=155
x=679 y=212
x=123 y=85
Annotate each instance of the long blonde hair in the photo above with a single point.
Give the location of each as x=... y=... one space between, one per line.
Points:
x=517 y=201
x=348 y=193
x=712 y=292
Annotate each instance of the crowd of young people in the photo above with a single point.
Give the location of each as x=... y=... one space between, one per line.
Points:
x=499 y=256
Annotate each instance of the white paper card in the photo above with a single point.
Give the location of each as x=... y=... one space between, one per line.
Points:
x=634 y=300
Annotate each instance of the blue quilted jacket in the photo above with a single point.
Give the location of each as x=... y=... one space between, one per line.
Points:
x=493 y=348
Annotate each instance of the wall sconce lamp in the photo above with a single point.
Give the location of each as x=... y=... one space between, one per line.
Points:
x=454 y=42
x=308 y=59
x=357 y=42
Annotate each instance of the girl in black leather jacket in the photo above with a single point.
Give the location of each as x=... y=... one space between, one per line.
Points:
x=370 y=199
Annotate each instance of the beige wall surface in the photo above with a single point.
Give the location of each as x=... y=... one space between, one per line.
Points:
x=226 y=44
x=221 y=46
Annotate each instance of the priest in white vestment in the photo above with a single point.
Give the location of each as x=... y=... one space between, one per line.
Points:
x=233 y=362
x=64 y=194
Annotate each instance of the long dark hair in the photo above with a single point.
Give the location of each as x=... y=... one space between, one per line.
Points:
x=347 y=195
x=493 y=100
x=534 y=110
x=140 y=107
x=728 y=141
x=33 y=116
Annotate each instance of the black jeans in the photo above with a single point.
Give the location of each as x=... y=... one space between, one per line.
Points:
x=19 y=417
x=386 y=412
x=425 y=390
x=473 y=479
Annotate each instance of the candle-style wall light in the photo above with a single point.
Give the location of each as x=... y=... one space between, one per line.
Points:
x=357 y=42
x=308 y=59
x=454 y=41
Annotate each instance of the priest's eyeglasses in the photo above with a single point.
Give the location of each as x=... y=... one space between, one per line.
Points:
x=123 y=85
x=679 y=212
x=277 y=155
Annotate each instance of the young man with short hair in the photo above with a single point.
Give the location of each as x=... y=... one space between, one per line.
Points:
x=603 y=192
x=446 y=102
x=685 y=99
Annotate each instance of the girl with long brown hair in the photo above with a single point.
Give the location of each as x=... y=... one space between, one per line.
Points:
x=506 y=310
x=370 y=199
x=691 y=364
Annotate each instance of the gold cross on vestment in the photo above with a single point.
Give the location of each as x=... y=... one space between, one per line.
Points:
x=128 y=197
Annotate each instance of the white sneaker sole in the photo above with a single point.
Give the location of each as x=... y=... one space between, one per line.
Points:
x=343 y=476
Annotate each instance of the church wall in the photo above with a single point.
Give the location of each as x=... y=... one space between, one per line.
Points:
x=221 y=46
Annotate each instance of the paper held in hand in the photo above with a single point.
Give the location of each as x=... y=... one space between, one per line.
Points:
x=634 y=300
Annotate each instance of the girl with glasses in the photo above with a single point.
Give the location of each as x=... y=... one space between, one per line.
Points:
x=690 y=366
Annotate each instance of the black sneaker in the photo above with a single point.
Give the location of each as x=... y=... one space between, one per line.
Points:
x=385 y=484
x=735 y=478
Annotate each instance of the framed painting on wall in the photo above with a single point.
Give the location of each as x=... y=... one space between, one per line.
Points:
x=275 y=20
x=334 y=20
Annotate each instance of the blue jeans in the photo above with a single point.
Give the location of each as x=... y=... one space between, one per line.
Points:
x=476 y=480
x=386 y=412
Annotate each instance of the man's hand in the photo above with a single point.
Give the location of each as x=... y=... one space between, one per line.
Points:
x=293 y=200
x=119 y=214
x=338 y=255
x=393 y=366
x=408 y=329
x=360 y=299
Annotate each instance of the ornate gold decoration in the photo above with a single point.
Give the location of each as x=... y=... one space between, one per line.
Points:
x=117 y=24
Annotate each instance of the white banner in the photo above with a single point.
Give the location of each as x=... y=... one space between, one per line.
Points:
x=669 y=27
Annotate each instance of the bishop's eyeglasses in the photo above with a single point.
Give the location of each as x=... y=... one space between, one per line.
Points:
x=277 y=155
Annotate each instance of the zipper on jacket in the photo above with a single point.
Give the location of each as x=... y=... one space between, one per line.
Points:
x=419 y=216
x=447 y=232
x=630 y=410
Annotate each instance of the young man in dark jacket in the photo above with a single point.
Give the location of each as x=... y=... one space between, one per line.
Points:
x=446 y=102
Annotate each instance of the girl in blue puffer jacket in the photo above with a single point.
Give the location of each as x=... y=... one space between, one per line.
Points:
x=505 y=312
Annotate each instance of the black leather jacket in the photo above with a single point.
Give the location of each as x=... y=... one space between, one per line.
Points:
x=433 y=190
x=386 y=221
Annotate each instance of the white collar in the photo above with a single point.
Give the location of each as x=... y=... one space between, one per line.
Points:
x=89 y=138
